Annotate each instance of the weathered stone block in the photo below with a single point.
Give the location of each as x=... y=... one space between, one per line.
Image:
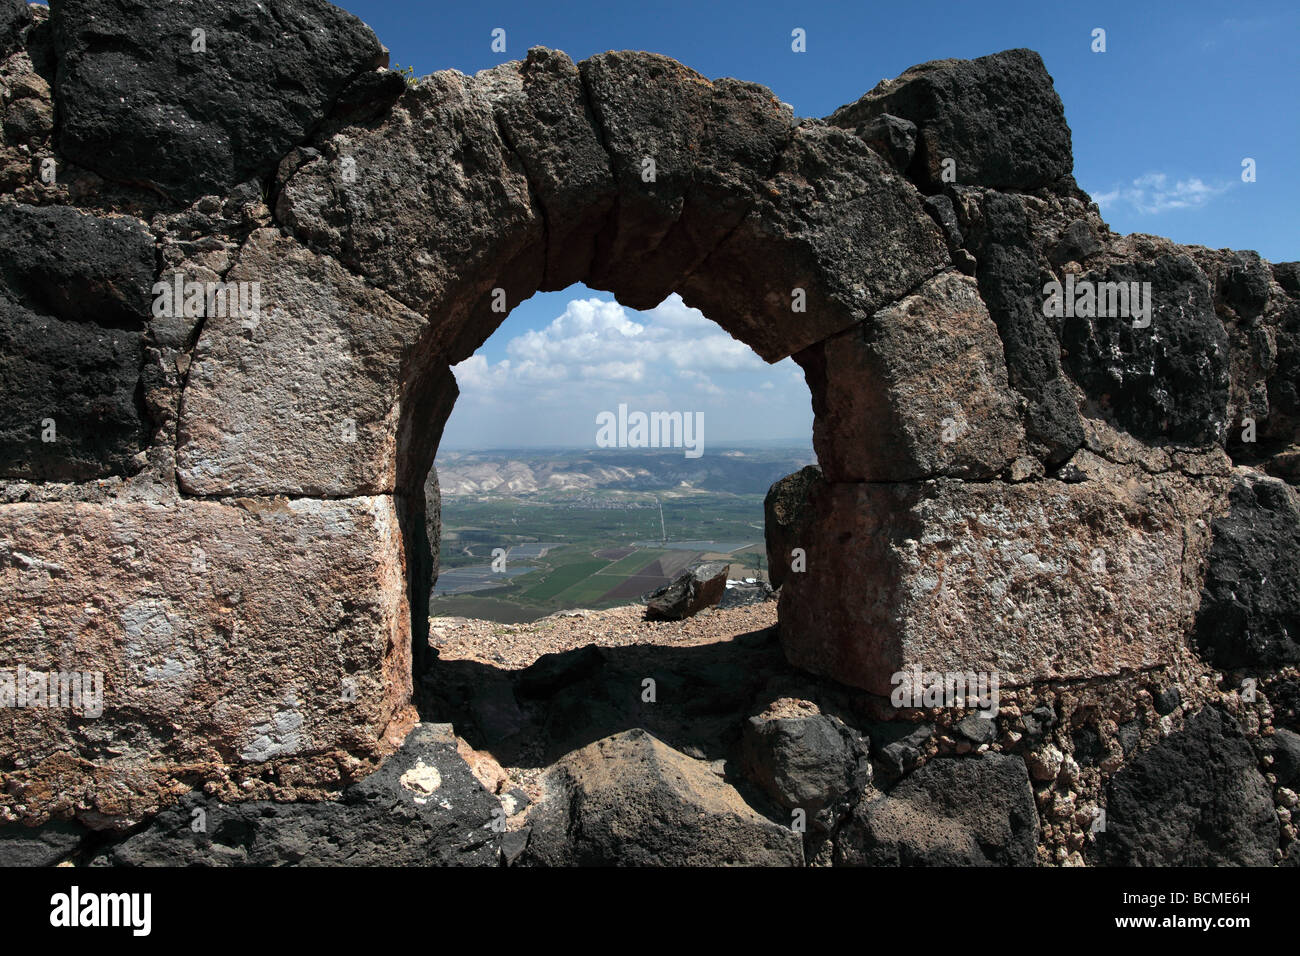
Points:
x=138 y=103
x=997 y=117
x=256 y=645
x=919 y=390
x=303 y=398
x=1035 y=581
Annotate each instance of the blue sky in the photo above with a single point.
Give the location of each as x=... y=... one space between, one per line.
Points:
x=1161 y=123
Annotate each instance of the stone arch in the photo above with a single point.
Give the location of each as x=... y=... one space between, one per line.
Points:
x=231 y=532
x=795 y=235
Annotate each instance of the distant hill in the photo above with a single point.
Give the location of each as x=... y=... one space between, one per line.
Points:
x=748 y=469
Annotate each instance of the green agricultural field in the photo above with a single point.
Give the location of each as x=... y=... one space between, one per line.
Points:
x=564 y=577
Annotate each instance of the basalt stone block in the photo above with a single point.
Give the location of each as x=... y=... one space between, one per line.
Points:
x=843 y=235
x=787 y=509
x=712 y=145
x=688 y=594
x=70 y=397
x=1196 y=798
x=1165 y=379
x=1036 y=581
x=918 y=390
x=973 y=811
x=812 y=763
x=144 y=99
x=998 y=117
x=630 y=800
x=431 y=206
x=75 y=295
x=15 y=17
x=83 y=268
x=1250 y=603
x=547 y=119
x=422 y=807
x=46 y=845
x=1011 y=284
x=257 y=642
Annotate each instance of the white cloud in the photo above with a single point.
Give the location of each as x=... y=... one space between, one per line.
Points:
x=596 y=354
x=1154 y=193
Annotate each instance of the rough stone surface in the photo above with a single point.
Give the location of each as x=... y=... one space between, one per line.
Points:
x=1195 y=799
x=689 y=593
x=74 y=300
x=256 y=639
x=302 y=399
x=629 y=800
x=422 y=807
x=46 y=845
x=835 y=222
x=197 y=615
x=138 y=104
x=1168 y=380
x=436 y=209
x=14 y=18
x=1011 y=285
x=707 y=169
x=918 y=390
x=812 y=763
x=998 y=116
x=951 y=576
x=786 y=511
x=1250 y=606
x=976 y=811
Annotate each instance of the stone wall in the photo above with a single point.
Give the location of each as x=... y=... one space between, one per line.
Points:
x=225 y=512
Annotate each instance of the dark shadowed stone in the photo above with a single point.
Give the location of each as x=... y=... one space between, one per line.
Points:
x=1077 y=243
x=1244 y=284
x=1195 y=799
x=74 y=301
x=892 y=137
x=998 y=116
x=1087 y=745
x=1038 y=722
x=368 y=97
x=1130 y=733
x=897 y=745
x=978 y=729
x=433 y=520
x=630 y=800
x=1287 y=275
x=553 y=672
x=834 y=222
x=688 y=594
x=45 y=845
x=712 y=144
x=1283 y=422
x=136 y=104
x=1250 y=601
x=1284 y=747
x=941 y=211
x=1168 y=380
x=1167 y=700
x=1011 y=286
x=422 y=807
x=743 y=595
x=786 y=509
x=974 y=811
x=811 y=762
x=547 y=121
x=14 y=18
x=59 y=261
